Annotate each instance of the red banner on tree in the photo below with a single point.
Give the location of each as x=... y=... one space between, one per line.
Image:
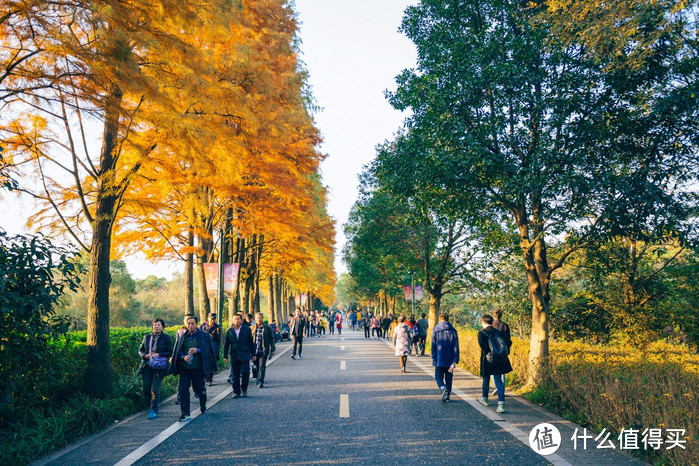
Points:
x=230 y=276
x=408 y=290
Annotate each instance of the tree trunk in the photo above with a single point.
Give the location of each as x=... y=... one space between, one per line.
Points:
x=270 y=292
x=189 y=274
x=538 y=283
x=204 y=303
x=277 y=299
x=435 y=304
x=234 y=301
x=258 y=260
x=98 y=376
x=205 y=246
x=287 y=301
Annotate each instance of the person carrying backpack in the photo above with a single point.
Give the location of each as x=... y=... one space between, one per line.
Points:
x=495 y=347
x=415 y=335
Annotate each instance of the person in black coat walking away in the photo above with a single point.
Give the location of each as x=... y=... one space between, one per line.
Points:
x=423 y=326
x=154 y=346
x=193 y=359
x=505 y=330
x=494 y=360
x=213 y=329
x=241 y=347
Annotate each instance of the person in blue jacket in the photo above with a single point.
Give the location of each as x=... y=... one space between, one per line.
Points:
x=193 y=359
x=445 y=355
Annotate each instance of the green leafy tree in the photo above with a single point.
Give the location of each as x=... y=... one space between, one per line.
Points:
x=521 y=133
x=33 y=275
x=391 y=235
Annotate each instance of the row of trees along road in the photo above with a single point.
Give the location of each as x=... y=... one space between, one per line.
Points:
x=541 y=128
x=205 y=126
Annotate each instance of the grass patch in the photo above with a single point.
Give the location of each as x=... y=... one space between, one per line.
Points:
x=612 y=387
x=56 y=412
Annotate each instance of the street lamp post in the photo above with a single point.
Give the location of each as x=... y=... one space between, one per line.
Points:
x=220 y=273
x=412 y=285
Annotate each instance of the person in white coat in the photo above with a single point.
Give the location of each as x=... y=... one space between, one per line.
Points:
x=401 y=342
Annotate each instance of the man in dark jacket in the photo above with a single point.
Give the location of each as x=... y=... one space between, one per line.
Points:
x=263 y=338
x=193 y=359
x=445 y=355
x=488 y=336
x=213 y=329
x=240 y=345
x=297 y=324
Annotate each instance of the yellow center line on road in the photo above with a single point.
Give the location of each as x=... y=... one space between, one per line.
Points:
x=344 y=405
x=343 y=365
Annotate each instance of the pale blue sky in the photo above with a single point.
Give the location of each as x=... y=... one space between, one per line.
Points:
x=353 y=52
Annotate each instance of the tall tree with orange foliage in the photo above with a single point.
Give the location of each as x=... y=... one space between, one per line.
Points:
x=89 y=67
x=256 y=156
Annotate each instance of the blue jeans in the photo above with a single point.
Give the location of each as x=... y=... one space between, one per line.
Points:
x=443 y=377
x=499 y=385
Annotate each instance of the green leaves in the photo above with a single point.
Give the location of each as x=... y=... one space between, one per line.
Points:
x=33 y=275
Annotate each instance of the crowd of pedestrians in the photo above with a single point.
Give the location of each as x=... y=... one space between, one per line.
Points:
x=249 y=341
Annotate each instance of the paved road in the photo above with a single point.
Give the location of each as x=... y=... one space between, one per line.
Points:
x=345 y=402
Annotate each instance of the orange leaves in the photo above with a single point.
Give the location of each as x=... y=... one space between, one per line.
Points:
x=209 y=104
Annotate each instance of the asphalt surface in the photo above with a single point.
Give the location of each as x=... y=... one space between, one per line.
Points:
x=387 y=417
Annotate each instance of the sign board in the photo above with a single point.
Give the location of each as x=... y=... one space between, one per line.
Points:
x=407 y=289
x=230 y=276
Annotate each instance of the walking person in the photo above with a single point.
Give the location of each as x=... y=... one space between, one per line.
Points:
x=240 y=346
x=401 y=342
x=385 y=325
x=331 y=323
x=180 y=331
x=194 y=361
x=338 y=323
x=424 y=325
x=414 y=334
x=445 y=355
x=364 y=322
x=494 y=360
x=375 y=327
x=214 y=330
x=297 y=324
x=155 y=351
x=263 y=339
x=505 y=331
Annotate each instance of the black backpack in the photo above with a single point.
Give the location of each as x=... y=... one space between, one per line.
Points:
x=498 y=348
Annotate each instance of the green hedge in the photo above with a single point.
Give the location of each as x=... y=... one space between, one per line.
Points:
x=50 y=410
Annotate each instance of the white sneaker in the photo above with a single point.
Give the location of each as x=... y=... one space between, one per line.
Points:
x=445 y=395
x=483 y=401
x=500 y=408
